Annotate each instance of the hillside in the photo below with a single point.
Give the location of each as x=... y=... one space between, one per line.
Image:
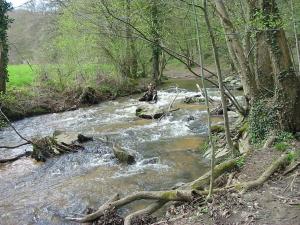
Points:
x=27 y=36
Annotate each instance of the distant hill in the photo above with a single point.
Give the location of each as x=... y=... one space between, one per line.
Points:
x=27 y=36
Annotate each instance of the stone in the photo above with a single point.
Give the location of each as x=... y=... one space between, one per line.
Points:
x=122 y=155
x=149 y=112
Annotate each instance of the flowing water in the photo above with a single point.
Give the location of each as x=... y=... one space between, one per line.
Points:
x=166 y=152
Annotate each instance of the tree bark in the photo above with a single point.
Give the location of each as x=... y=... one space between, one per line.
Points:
x=212 y=160
x=296 y=35
x=156 y=50
x=220 y=80
x=287 y=91
x=2 y=71
x=131 y=53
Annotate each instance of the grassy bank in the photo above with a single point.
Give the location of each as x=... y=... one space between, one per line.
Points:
x=21 y=75
x=56 y=88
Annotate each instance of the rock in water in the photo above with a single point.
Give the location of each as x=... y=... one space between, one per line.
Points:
x=149 y=113
x=82 y=139
x=122 y=155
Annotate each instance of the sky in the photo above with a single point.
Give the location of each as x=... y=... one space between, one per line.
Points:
x=17 y=2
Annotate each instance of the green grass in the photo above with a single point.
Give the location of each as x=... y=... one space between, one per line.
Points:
x=21 y=75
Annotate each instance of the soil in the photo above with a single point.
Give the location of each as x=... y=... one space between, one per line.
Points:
x=277 y=202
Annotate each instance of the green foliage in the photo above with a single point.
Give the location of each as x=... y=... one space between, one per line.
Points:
x=262 y=120
x=284 y=136
x=241 y=162
x=281 y=146
x=5 y=7
x=244 y=127
x=21 y=75
x=204 y=147
x=5 y=100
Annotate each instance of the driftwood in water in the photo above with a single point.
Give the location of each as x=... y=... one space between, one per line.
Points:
x=49 y=147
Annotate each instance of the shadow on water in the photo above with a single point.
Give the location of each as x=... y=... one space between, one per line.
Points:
x=166 y=152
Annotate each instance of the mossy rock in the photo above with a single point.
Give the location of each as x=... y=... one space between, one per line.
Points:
x=217 y=129
x=149 y=113
x=122 y=155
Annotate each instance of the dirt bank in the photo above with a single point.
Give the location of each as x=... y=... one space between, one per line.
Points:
x=277 y=202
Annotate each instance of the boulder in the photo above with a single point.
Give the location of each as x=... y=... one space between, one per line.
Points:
x=122 y=155
x=149 y=112
x=82 y=139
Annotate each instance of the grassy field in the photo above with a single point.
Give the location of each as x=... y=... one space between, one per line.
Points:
x=21 y=75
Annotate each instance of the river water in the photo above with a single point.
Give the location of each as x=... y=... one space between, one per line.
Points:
x=45 y=193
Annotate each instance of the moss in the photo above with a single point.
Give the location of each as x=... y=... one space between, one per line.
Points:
x=169 y=195
x=282 y=146
x=217 y=129
x=240 y=162
x=244 y=128
x=203 y=147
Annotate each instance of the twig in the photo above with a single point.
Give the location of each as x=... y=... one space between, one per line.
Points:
x=13 y=147
x=12 y=126
x=293 y=167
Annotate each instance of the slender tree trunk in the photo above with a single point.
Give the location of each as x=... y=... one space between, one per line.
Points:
x=235 y=46
x=131 y=54
x=2 y=71
x=206 y=103
x=156 y=50
x=296 y=35
x=220 y=79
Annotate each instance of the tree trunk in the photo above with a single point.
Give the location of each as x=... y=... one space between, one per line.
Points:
x=296 y=35
x=220 y=80
x=156 y=50
x=212 y=162
x=264 y=72
x=131 y=54
x=235 y=46
x=287 y=91
x=2 y=71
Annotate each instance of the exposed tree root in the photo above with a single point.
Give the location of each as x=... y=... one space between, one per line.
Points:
x=144 y=212
x=185 y=195
x=292 y=168
x=162 y=196
x=219 y=170
x=280 y=162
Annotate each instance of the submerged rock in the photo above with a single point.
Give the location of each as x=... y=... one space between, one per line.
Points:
x=82 y=139
x=149 y=113
x=122 y=155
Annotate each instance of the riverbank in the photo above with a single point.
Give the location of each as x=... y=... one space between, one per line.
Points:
x=41 y=99
x=275 y=202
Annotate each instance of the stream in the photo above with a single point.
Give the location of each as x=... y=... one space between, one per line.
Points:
x=166 y=153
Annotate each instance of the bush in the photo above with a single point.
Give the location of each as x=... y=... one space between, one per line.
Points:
x=281 y=146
